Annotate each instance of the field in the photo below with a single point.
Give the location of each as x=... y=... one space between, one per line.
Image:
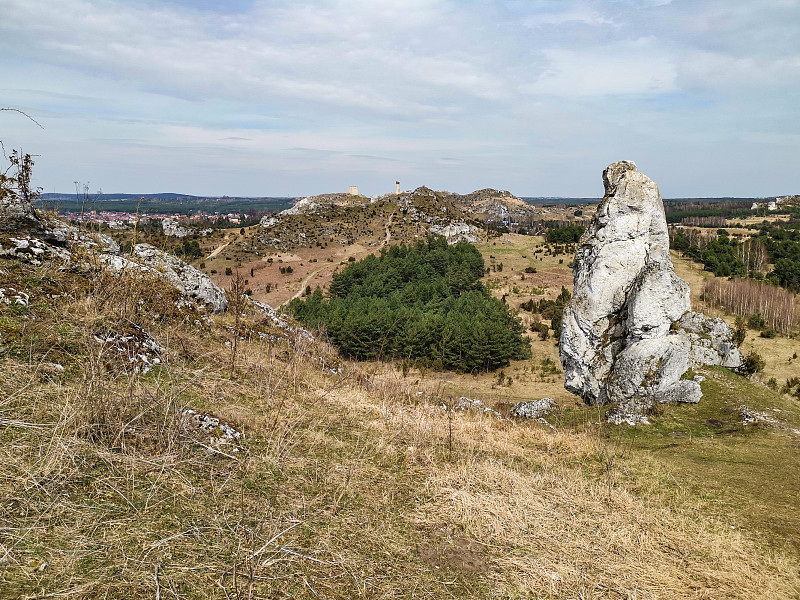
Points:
x=357 y=479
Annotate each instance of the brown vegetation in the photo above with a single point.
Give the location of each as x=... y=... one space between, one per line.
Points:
x=704 y=221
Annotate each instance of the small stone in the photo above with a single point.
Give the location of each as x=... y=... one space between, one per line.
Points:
x=533 y=409
x=464 y=403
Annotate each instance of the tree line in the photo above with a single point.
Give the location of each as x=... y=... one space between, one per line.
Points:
x=726 y=256
x=771 y=306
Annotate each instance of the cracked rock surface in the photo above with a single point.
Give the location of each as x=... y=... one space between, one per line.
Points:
x=629 y=338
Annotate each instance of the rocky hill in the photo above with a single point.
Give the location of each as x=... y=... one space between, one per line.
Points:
x=344 y=219
x=498 y=206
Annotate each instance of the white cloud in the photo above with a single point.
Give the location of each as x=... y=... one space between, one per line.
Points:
x=294 y=53
x=616 y=69
x=580 y=14
x=721 y=71
x=516 y=94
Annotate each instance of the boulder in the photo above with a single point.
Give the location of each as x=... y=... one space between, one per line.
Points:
x=628 y=336
x=532 y=409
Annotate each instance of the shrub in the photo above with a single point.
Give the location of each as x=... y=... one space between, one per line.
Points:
x=753 y=363
x=565 y=235
x=739 y=331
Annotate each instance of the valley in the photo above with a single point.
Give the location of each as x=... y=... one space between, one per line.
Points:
x=314 y=476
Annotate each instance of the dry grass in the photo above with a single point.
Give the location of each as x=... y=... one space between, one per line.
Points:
x=347 y=484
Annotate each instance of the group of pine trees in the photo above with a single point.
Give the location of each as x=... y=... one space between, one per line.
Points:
x=569 y=234
x=421 y=303
x=783 y=245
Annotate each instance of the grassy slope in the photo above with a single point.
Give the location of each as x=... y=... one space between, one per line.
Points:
x=354 y=484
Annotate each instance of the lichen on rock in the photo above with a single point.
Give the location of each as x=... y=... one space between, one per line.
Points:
x=628 y=335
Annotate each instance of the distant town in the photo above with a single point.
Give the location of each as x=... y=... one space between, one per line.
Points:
x=122 y=219
x=120 y=211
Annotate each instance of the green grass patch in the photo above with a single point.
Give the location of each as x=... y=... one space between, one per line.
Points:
x=748 y=475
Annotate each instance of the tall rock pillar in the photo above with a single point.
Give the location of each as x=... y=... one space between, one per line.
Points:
x=628 y=336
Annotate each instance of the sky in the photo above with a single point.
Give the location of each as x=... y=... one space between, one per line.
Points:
x=293 y=98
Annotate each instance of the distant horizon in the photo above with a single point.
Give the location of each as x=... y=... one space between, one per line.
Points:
x=110 y=196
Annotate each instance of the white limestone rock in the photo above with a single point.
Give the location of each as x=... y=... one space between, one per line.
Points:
x=628 y=336
x=268 y=221
x=533 y=409
x=186 y=278
x=457 y=232
x=174 y=229
x=49 y=239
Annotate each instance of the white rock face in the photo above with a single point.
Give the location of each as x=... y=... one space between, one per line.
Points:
x=173 y=229
x=457 y=232
x=186 y=278
x=627 y=336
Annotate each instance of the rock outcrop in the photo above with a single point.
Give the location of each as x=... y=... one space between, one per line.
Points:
x=172 y=228
x=458 y=232
x=16 y=214
x=35 y=238
x=185 y=277
x=628 y=336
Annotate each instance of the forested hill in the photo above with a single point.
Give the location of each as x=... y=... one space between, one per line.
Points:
x=424 y=303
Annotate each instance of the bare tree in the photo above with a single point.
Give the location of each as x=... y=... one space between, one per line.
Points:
x=745 y=297
x=237 y=302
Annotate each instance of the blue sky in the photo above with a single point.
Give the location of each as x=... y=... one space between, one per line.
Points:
x=298 y=98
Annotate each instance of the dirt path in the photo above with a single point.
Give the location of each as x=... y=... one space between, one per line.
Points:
x=304 y=283
x=388 y=231
x=312 y=274
x=215 y=252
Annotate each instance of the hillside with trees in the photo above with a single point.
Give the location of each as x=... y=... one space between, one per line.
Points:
x=423 y=303
x=154 y=446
